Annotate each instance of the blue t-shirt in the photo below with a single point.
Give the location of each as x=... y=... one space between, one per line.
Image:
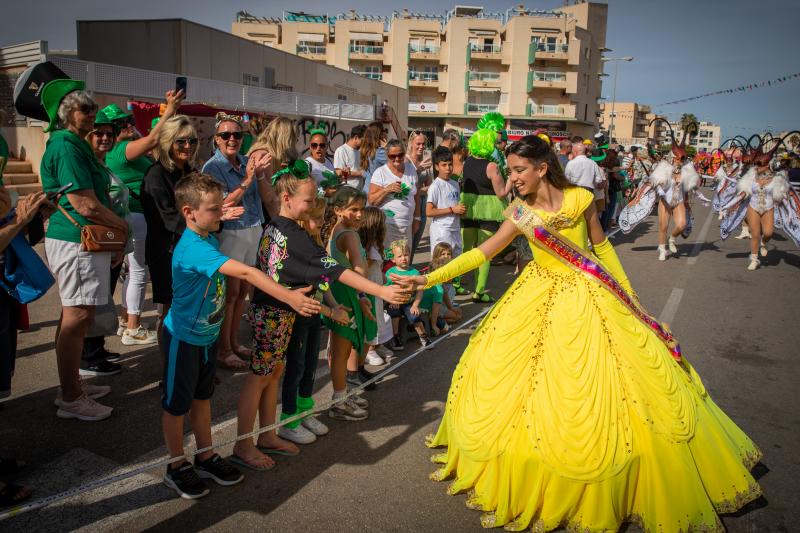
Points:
x=219 y=168
x=198 y=290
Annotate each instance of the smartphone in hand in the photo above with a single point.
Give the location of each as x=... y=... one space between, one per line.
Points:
x=180 y=84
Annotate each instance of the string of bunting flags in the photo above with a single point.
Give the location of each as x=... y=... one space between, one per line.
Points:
x=741 y=88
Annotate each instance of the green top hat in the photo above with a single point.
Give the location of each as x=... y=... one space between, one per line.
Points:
x=114 y=113
x=102 y=118
x=52 y=95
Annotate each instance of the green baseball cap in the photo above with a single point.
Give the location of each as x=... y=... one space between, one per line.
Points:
x=52 y=95
x=114 y=113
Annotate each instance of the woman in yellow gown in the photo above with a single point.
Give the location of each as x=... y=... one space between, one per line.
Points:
x=571 y=406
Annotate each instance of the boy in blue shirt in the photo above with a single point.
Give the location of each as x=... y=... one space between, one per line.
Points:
x=191 y=329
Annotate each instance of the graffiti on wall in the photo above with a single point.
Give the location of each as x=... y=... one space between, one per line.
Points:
x=336 y=137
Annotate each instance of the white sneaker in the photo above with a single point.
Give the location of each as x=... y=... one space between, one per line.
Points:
x=298 y=435
x=92 y=391
x=672 y=247
x=347 y=410
x=745 y=234
x=139 y=336
x=84 y=408
x=763 y=249
x=754 y=262
x=374 y=359
x=662 y=253
x=121 y=327
x=360 y=401
x=313 y=424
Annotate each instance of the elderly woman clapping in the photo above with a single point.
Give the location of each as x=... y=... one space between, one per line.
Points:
x=82 y=276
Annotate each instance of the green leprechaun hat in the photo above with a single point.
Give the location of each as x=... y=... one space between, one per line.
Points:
x=52 y=95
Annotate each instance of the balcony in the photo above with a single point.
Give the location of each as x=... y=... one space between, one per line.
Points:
x=480 y=109
x=363 y=51
x=547 y=51
x=550 y=110
x=483 y=79
x=417 y=51
x=311 y=51
x=542 y=79
x=368 y=74
x=484 y=51
x=423 y=79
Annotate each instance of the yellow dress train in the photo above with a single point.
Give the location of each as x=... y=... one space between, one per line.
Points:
x=566 y=411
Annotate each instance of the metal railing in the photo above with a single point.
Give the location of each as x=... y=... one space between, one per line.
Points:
x=552 y=47
x=310 y=49
x=369 y=74
x=482 y=108
x=415 y=75
x=548 y=110
x=484 y=76
x=420 y=49
x=138 y=83
x=486 y=48
x=366 y=49
x=543 y=75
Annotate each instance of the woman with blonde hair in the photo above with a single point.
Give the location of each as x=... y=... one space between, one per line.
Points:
x=175 y=154
x=279 y=140
x=373 y=151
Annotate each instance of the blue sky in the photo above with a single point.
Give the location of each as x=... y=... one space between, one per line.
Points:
x=682 y=48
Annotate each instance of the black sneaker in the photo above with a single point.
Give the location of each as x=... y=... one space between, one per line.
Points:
x=100 y=368
x=219 y=470
x=397 y=344
x=424 y=340
x=185 y=481
x=111 y=357
x=365 y=376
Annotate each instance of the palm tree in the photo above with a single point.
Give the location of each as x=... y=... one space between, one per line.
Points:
x=688 y=120
x=794 y=140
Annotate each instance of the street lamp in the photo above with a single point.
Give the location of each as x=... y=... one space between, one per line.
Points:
x=616 y=61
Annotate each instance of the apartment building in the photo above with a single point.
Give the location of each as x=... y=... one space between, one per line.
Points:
x=541 y=69
x=708 y=138
x=631 y=123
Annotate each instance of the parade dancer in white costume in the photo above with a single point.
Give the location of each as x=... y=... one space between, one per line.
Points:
x=766 y=200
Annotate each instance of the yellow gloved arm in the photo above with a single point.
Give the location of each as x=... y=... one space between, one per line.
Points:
x=609 y=260
x=458 y=266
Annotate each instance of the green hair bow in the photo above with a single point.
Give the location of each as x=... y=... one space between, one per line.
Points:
x=299 y=168
x=331 y=180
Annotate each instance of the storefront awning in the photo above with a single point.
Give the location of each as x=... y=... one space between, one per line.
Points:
x=311 y=37
x=358 y=36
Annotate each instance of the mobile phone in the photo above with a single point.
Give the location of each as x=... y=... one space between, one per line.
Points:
x=426 y=154
x=54 y=195
x=180 y=84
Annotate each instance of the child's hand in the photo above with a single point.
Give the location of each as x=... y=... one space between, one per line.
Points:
x=340 y=315
x=366 y=309
x=410 y=283
x=301 y=303
x=415 y=310
x=459 y=209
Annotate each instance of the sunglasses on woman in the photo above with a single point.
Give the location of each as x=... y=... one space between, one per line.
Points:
x=87 y=109
x=101 y=134
x=395 y=157
x=314 y=146
x=225 y=135
x=191 y=141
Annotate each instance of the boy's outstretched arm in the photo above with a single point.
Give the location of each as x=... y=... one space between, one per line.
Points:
x=297 y=299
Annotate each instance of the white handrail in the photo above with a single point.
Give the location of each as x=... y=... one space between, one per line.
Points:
x=139 y=83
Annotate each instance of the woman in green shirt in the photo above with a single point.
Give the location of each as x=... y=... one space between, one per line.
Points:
x=128 y=160
x=83 y=277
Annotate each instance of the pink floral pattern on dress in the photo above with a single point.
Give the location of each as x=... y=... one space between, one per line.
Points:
x=272 y=329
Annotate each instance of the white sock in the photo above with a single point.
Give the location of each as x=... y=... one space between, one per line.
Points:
x=339 y=395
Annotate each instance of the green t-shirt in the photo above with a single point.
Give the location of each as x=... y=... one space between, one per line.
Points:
x=130 y=172
x=247 y=142
x=3 y=157
x=69 y=159
x=395 y=270
x=434 y=295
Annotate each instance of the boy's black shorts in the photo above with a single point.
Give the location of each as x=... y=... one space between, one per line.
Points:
x=188 y=373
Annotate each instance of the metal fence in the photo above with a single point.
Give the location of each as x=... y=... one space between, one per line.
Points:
x=140 y=83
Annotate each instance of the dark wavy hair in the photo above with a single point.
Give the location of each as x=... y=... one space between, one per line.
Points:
x=342 y=198
x=538 y=151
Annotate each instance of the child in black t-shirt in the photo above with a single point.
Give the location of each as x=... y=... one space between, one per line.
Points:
x=289 y=256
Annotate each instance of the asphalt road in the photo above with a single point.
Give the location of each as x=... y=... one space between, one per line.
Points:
x=739 y=329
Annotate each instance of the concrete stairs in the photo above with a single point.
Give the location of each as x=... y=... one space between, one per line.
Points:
x=19 y=176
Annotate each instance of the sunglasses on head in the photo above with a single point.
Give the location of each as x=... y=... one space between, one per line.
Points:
x=401 y=155
x=191 y=141
x=318 y=145
x=225 y=135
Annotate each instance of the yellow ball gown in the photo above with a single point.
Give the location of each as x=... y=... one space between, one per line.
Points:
x=565 y=410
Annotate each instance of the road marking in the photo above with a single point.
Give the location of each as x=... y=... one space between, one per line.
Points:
x=671 y=307
x=695 y=253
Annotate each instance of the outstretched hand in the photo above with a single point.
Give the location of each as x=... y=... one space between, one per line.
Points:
x=231 y=211
x=300 y=302
x=410 y=283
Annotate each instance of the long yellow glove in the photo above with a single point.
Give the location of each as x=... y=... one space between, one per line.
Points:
x=458 y=266
x=609 y=260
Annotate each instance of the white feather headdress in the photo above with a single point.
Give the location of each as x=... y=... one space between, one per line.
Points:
x=661 y=174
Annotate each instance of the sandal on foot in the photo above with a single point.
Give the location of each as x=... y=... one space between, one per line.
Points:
x=10 y=466
x=251 y=464
x=233 y=363
x=12 y=494
x=277 y=451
